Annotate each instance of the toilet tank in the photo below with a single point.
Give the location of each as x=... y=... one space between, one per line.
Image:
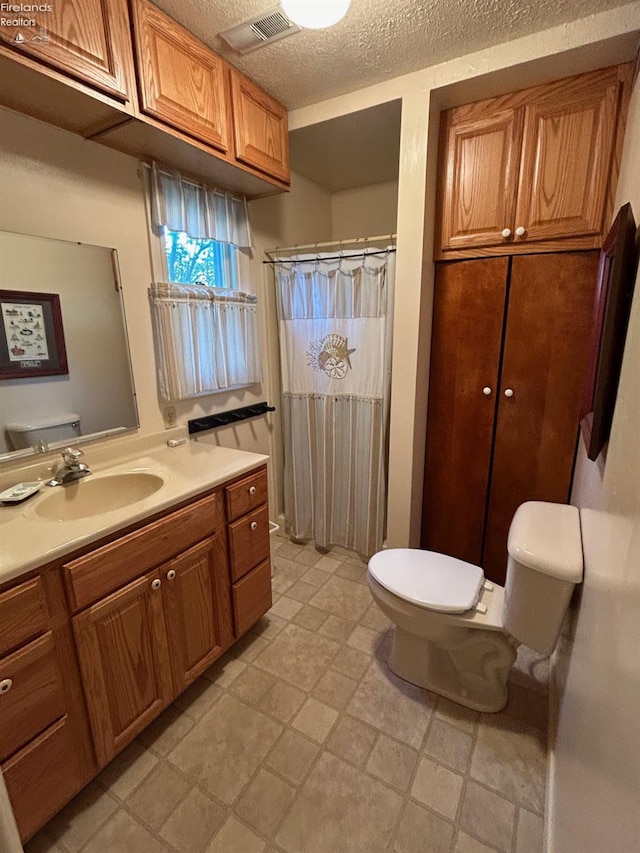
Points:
x=545 y=563
x=29 y=433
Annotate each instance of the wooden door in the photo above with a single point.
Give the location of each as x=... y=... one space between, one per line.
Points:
x=122 y=647
x=468 y=317
x=544 y=363
x=567 y=147
x=181 y=81
x=88 y=39
x=192 y=609
x=481 y=173
x=261 y=128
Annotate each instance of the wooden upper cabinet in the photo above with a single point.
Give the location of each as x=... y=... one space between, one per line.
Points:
x=87 y=39
x=566 y=158
x=482 y=158
x=181 y=81
x=534 y=170
x=260 y=128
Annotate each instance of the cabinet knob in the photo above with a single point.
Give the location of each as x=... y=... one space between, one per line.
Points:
x=486 y=391
x=156 y=584
x=5 y=685
x=506 y=232
x=508 y=392
x=171 y=574
x=252 y=490
x=254 y=525
x=520 y=231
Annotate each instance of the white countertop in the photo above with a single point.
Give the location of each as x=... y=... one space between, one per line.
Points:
x=28 y=541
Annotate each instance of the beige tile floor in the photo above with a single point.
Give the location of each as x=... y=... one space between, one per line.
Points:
x=301 y=740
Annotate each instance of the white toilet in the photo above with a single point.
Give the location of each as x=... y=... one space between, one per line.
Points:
x=38 y=432
x=457 y=634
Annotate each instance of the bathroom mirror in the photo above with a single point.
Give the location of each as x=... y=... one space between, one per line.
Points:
x=75 y=382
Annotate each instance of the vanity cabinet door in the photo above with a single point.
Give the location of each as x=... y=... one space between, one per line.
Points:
x=124 y=661
x=87 y=39
x=194 y=601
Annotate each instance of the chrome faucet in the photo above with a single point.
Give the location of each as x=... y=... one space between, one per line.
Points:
x=72 y=469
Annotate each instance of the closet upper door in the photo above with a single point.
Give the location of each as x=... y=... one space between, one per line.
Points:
x=566 y=158
x=544 y=363
x=465 y=356
x=482 y=148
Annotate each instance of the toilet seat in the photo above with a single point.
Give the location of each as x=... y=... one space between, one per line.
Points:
x=428 y=579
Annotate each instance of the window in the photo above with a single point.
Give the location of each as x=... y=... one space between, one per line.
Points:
x=204 y=261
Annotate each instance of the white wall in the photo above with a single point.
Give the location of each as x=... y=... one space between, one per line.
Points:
x=595 y=794
x=364 y=211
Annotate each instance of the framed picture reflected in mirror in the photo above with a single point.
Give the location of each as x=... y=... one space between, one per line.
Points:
x=614 y=292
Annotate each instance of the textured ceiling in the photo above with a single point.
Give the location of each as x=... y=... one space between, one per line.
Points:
x=377 y=40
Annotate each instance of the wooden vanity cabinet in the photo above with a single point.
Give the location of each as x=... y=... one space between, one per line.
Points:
x=45 y=746
x=535 y=170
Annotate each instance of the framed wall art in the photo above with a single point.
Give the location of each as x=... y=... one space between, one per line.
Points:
x=31 y=335
x=614 y=292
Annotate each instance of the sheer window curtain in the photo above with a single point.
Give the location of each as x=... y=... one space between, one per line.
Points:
x=335 y=341
x=206 y=338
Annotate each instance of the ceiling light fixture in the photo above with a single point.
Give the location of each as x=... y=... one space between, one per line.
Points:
x=316 y=14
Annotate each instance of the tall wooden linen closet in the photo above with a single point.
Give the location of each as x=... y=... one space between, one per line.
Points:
x=508 y=358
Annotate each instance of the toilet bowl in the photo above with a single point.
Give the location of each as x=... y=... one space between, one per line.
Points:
x=457 y=634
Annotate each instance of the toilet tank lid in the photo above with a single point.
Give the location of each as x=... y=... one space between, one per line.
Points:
x=546 y=537
x=44 y=423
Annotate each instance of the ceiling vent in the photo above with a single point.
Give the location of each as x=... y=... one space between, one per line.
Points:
x=260 y=30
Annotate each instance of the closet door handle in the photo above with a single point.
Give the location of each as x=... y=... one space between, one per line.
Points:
x=252 y=490
x=486 y=391
x=5 y=685
x=156 y=584
x=520 y=231
x=254 y=525
x=506 y=232
x=508 y=392
x=171 y=574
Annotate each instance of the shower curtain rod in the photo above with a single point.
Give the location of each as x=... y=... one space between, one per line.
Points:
x=339 y=243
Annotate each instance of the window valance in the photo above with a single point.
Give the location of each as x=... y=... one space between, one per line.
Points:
x=199 y=210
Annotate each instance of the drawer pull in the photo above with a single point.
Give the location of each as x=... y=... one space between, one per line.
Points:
x=171 y=574
x=252 y=490
x=156 y=584
x=5 y=685
x=254 y=525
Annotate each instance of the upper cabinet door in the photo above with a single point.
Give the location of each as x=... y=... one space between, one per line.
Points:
x=482 y=158
x=261 y=128
x=182 y=82
x=566 y=159
x=88 y=39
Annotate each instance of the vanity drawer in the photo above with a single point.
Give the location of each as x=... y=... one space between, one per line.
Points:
x=106 y=569
x=34 y=699
x=23 y=615
x=43 y=777
x=252 y=597
x=247 y=494
x=249 y=542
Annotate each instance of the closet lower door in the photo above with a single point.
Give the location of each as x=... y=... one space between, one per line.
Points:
x=544 y=363
x=469 y=305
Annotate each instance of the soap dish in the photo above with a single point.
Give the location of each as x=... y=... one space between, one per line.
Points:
x=20 y=492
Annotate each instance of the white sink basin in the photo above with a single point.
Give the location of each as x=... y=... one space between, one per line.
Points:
x=90 y=496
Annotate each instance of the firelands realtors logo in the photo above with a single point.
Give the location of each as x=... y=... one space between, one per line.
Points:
x=18 y=19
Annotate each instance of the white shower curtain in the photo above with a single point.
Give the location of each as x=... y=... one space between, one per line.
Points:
x=335 y=352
